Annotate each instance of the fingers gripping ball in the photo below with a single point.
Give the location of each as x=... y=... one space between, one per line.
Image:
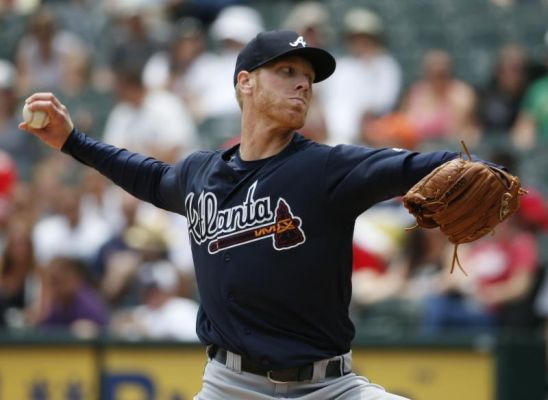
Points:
x=465 y=199
x=35 y=119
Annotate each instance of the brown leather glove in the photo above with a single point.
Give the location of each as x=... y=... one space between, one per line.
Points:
x=465 y=199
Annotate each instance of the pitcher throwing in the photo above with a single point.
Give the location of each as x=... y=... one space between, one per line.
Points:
x=271 y=224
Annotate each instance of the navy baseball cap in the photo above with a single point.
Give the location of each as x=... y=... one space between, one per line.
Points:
x=272 y=45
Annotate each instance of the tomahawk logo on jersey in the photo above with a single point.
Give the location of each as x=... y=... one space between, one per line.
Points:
x=245 y=223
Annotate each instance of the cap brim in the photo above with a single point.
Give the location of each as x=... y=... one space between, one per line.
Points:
x=322 y=61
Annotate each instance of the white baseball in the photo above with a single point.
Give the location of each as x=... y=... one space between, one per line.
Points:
x=35 y=119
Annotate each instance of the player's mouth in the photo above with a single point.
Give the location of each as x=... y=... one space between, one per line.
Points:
x=298 y=100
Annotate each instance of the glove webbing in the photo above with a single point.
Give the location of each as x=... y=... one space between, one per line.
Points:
x=455 y=254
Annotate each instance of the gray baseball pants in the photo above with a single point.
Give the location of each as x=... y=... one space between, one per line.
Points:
x=228 y=382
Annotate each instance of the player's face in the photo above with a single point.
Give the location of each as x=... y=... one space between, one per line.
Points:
x=284 y=91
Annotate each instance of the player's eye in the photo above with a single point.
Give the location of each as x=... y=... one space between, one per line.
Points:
x=287 y=71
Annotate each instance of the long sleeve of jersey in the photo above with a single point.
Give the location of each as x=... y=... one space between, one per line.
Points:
x=144 y=177
x=357 y=177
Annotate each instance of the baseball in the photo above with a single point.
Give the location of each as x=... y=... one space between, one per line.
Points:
x=35 y=119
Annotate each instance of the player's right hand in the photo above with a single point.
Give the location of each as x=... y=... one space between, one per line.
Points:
x=58 y=130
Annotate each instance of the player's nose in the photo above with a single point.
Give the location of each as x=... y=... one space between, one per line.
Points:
x=303 y=83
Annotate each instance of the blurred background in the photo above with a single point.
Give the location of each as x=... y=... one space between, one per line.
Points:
x=97 y=292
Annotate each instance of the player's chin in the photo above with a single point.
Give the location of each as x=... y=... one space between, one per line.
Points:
x=295 y=125
x=296 y=119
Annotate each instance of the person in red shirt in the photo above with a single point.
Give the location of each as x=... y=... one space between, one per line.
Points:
x=502 y=270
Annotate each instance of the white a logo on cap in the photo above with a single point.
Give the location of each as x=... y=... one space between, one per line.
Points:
x=299 y=41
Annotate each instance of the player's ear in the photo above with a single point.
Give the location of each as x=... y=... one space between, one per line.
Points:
x=246 y=81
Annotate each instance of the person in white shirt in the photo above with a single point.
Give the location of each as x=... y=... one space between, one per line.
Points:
x=68 y=232
x=153 y=122
x=163 y=314
x=231 y=30
x=185 y=68
x=41 y=54
x=368 y=79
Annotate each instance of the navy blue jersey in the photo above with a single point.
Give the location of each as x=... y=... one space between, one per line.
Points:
x=271 y=239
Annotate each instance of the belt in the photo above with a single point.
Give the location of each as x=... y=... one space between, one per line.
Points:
x=333 y=369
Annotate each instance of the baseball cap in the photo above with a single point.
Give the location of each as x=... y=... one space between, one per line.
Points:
x=272 y=45
x=237 y=23
x=309 y=14
x=362 y=21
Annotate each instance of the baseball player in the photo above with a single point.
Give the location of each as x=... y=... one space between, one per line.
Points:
x=271 y=223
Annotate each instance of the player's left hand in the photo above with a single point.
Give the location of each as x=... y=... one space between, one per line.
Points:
x=58 y=130
x=465 y=199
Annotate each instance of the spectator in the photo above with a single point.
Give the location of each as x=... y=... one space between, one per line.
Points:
x=311 y=20
x=441 y=107
x=12 y=28
x=368 y=79
x=153 y=122
x=90 y=103
x=534 y=212
x=18 y=279
x=48 y=176
x=507 y=267
x=178 y=250
x=41 y=53
x=162 y=314
x=390 y=130
x=187 y=42
x=399 y=292
x=532 y=123
x=503 y=268
x=8 y=183
x=23 y=148
x=67 y=232
x=231 y=30
x=204 y=10
x=452 y=306
x=133 y=38
x=504 y=4
x=500 y=101
x=116 y=262
x=378 y=235
x=72 y=303
x=86 y=18
x=102 y=201
x=129 y=207
x=185 y=68
x=140 y=245
x=377 y=239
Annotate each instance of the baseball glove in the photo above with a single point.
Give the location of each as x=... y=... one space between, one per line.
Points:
x=465 y=199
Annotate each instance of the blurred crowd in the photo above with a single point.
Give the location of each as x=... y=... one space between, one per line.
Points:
x=155 y=77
